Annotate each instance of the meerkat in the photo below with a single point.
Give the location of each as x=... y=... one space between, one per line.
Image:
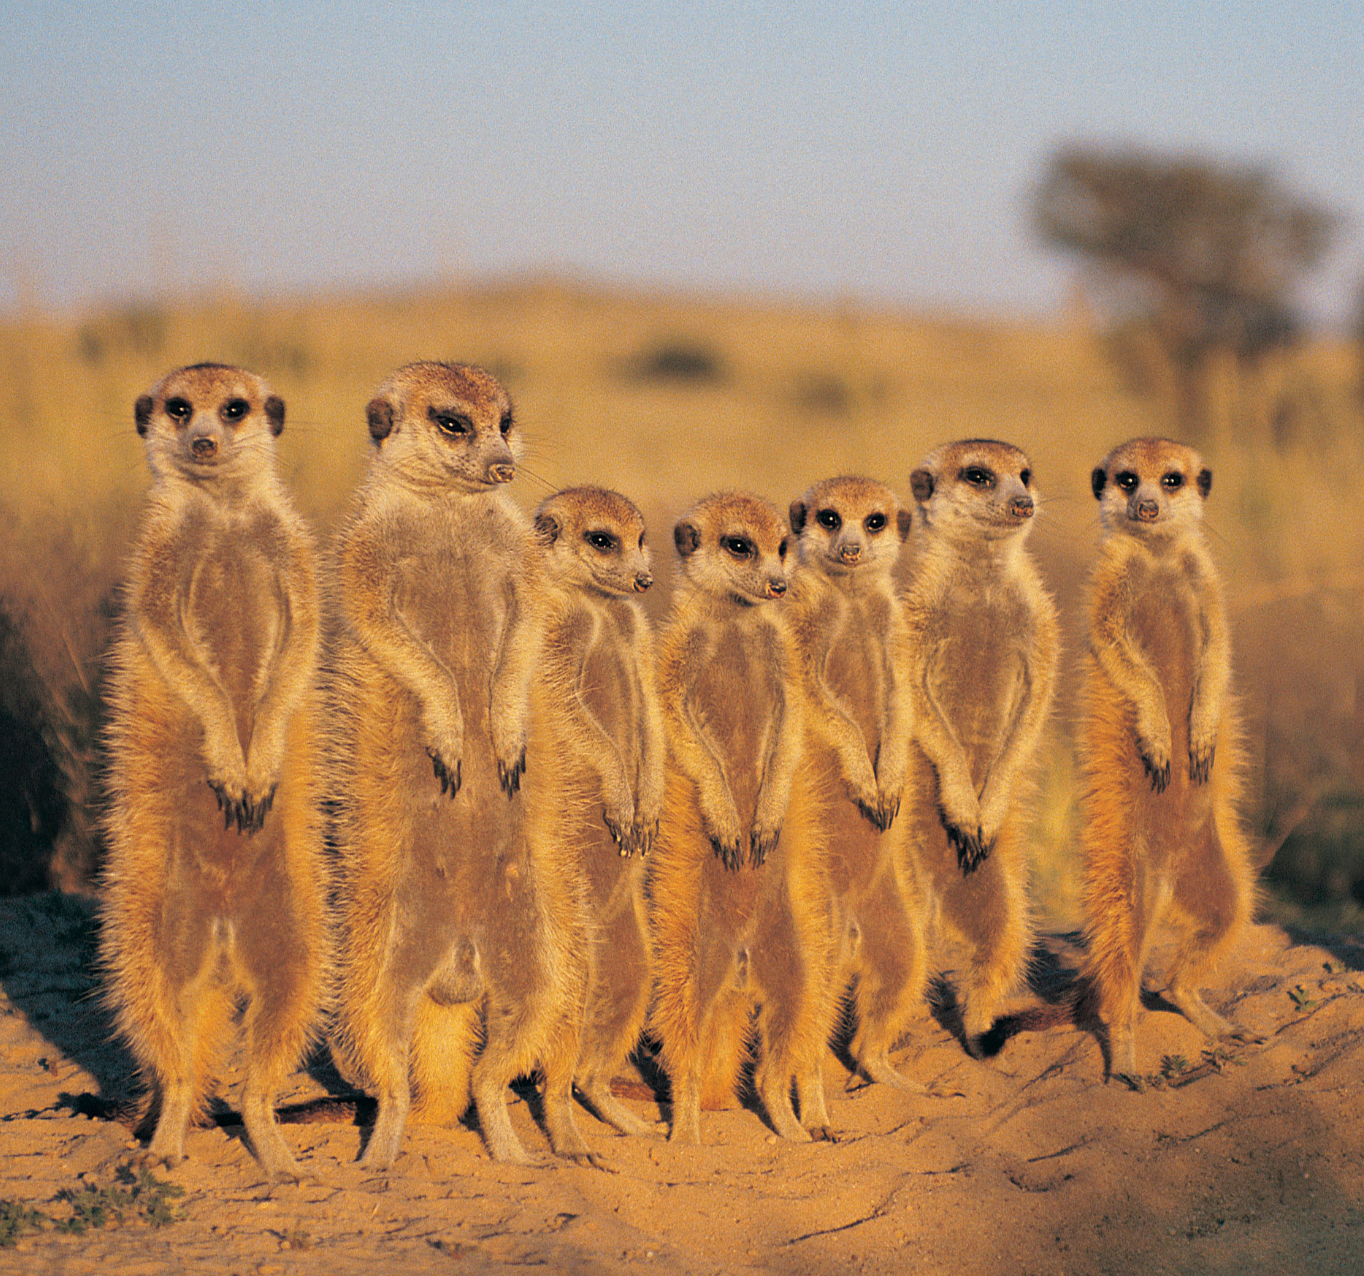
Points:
x=849 y=632
x=461 y=915
x=598 y=659
x=215 y=887
x=980 y=665
x=1159 y=745
x=740 y=904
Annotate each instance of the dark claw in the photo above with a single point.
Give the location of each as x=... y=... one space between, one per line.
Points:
x=621 y=837
x=644 y=837
x=1201 y=768
x=874 y=815
x=510 y=776
x=971 y=848
x=449 y=780
x=758 y=847
x=1160 y=775
x=730 y=855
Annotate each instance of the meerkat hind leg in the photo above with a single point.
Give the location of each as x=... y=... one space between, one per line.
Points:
x=596 y=1091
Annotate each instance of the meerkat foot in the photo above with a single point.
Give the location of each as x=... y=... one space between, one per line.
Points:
x=972 y=849
x=644 y=835
x=1207 y=1020
x=1158 y=772
x=760 y=843
x=621 y=835
x=1122 y=1064
x=597 y=1093
x=386 y=1135
x=879 y=1069
x=686 y=1123
x=776 y=1097
x=1200 y=764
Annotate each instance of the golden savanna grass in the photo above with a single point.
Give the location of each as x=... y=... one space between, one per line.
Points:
x=666 y=398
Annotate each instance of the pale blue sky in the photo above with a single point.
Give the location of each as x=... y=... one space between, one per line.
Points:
x=879 y=152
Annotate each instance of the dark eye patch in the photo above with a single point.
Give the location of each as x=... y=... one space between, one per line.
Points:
x=978 y=476
x=603 y=541
x=1172 y=481
x=506 y=423
x=1025 y=478
x=452 y=423
x=234 y=410
x=875 y=522
x=1126 y=480
x=179 y=409
x=739 y=546
x=831 y=520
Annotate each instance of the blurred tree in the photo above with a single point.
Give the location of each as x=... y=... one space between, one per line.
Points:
x=1200 y=256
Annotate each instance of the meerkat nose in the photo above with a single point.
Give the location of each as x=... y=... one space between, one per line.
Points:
x=204 y=448
x=642 y=582
x=502 y=472
x=1021 y=507
x=850 y=553
x=776 y=587
x=1148 y=511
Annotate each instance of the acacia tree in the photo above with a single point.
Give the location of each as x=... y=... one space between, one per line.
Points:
x=1205 y=255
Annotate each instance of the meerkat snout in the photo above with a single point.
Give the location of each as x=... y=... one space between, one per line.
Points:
x=501 y=471
x=1021 y=507
x=642 y=582
x=776 y=587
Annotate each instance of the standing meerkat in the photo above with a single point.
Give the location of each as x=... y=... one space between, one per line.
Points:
x=598 y=662
x=1158 y=744
x=215 y=888
x=739 y=894
x=849 y=631
x=980 y=664
x=454 y=903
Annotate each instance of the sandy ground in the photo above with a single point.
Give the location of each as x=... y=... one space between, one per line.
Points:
x=1024 y=1163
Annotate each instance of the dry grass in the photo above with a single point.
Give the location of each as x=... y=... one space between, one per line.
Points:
x=666 y=398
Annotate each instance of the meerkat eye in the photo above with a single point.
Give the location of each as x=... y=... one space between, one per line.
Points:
x=829 y=519
x=781 y=549
x=1025 y=478
x=739 y=546
x=451 y=423
x=1172 y=481
x=234 y=409
x=603 y=541
x=978 y=476
x=506 y=424
x=875 y=522
x=179 y=409
x=1126 y=480
x=641 y=540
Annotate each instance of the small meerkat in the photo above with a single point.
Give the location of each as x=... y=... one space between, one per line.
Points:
x=215 y=888
x=454 y=896
x=1159 y=745
x=598 y=661
x=849 y=630
x=740 y=904
x=980 y=664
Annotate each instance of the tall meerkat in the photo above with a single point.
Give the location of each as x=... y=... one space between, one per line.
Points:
x=1159 y=745
x=215 y=888
x=980 y=663
x=740 y=904
x=849 y=631
x=454 y=903
x=598 y=662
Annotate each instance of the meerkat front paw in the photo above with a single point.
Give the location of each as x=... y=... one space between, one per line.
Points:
x=509 y=773
x=450 y=777
x=971 y=847
x=761 y=840
x=645 y=833
x=1153 y=744
x=722 y=828
x=1202 y=746
x=621 y=825
x=228 y=779
x=1157 y=769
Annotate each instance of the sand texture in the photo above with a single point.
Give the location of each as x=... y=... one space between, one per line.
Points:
x=1248 y=1160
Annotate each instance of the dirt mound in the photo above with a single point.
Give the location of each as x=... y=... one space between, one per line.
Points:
x=1250 y=1159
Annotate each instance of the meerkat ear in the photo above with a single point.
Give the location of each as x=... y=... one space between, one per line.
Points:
x=687 y=538
x=797 y=515
x=142 y=412
x=379 y=413
x=274 y=413
x=921 y=484
x=547 y=529
x=1204 y=481
x=904 y=520
x=1097 y=481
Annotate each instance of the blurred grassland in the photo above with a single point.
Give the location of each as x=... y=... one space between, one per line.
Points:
x=667 y=398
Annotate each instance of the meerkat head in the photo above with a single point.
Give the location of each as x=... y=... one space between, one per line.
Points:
x=976 y=489
x=1151 y=488
x=733 y=545
x=594 y=539
x=844 y=525
x=445 y=425
x=209 y=421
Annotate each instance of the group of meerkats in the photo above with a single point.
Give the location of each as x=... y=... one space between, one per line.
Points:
x=458 y=805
